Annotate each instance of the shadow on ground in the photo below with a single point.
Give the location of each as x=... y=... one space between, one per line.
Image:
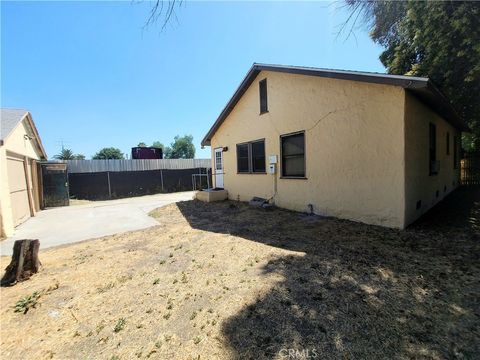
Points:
x=358 y=291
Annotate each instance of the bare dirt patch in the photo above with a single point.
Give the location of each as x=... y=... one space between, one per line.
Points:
x=223 y=280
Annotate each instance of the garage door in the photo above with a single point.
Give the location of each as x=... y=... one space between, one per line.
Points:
x=18 y=190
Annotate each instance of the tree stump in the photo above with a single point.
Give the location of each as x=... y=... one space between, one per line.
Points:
x=24 y=262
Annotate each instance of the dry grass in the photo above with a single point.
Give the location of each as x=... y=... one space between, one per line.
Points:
x=223 y=280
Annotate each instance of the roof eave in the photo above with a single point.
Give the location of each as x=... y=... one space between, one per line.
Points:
x=247 y=80
x=416 y=84
x=37 y=136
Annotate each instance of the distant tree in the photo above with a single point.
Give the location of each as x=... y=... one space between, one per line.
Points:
x=167 y=153
x=108 y=153
x=166 y=150
x=158 y=144
x=65 y=154
x=181 y=148
x=142 y=144
x=79 y=157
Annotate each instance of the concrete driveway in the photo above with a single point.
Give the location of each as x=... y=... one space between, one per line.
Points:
x=69 y=224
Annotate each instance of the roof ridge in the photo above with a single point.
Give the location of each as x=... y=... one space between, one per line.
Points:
x=314 y=68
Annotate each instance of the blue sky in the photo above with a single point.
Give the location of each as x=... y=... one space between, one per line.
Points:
x=92 y=77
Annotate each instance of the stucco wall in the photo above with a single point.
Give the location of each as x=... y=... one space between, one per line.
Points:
x=15 y=144
x=354 y=139
x=419 y=184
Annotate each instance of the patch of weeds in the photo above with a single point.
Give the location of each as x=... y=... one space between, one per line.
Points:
x=167 y=337
x=175 y=281
x=197 y=339
x=115 y=357
x=226 y=288
x=193 y=316
x=156 y=281
x=120 y=325
x=123 y=279
x=149 y=311
x=210 y=311
x=100 y=327
x=162 y=262
x=169 y=306
x=158 y=344
x=171 y=255
x=167 y=315
x=27 y=302
x=106 y=287
x=214 y=322
x=208 y=282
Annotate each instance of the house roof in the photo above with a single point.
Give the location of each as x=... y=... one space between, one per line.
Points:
x=11 y=118
x=421 y=87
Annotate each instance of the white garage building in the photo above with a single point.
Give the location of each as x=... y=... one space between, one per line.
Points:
x=20 y=149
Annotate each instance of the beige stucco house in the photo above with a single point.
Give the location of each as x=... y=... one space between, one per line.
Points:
x=20 y=149
x=375 y=148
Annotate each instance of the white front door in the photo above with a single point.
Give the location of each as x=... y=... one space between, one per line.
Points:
x=219 y=168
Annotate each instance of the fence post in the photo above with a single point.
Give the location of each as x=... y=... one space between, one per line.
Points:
x=109 y=187
x=161 y=178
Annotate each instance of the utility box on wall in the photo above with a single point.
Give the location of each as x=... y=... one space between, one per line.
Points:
x=272 y=167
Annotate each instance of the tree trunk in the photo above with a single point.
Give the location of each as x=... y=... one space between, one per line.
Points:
x=24 y=262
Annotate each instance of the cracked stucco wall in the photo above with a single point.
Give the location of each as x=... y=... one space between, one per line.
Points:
x=354 y=139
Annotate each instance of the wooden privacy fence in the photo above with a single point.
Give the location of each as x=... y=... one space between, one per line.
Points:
x=470 y=169
x=92 y=166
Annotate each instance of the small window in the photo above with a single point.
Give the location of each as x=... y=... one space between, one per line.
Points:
x=455 y=152
x=448 y=143
x=433 y=149
x=243 y=155
x=263 y=96
x=293 y=155
x=251 y=157
x=258 y=156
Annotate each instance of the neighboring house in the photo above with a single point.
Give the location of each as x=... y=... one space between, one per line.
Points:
x=376 y=148
x=20 y=149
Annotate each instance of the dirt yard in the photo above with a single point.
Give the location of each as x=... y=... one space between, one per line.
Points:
x=226 y=281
